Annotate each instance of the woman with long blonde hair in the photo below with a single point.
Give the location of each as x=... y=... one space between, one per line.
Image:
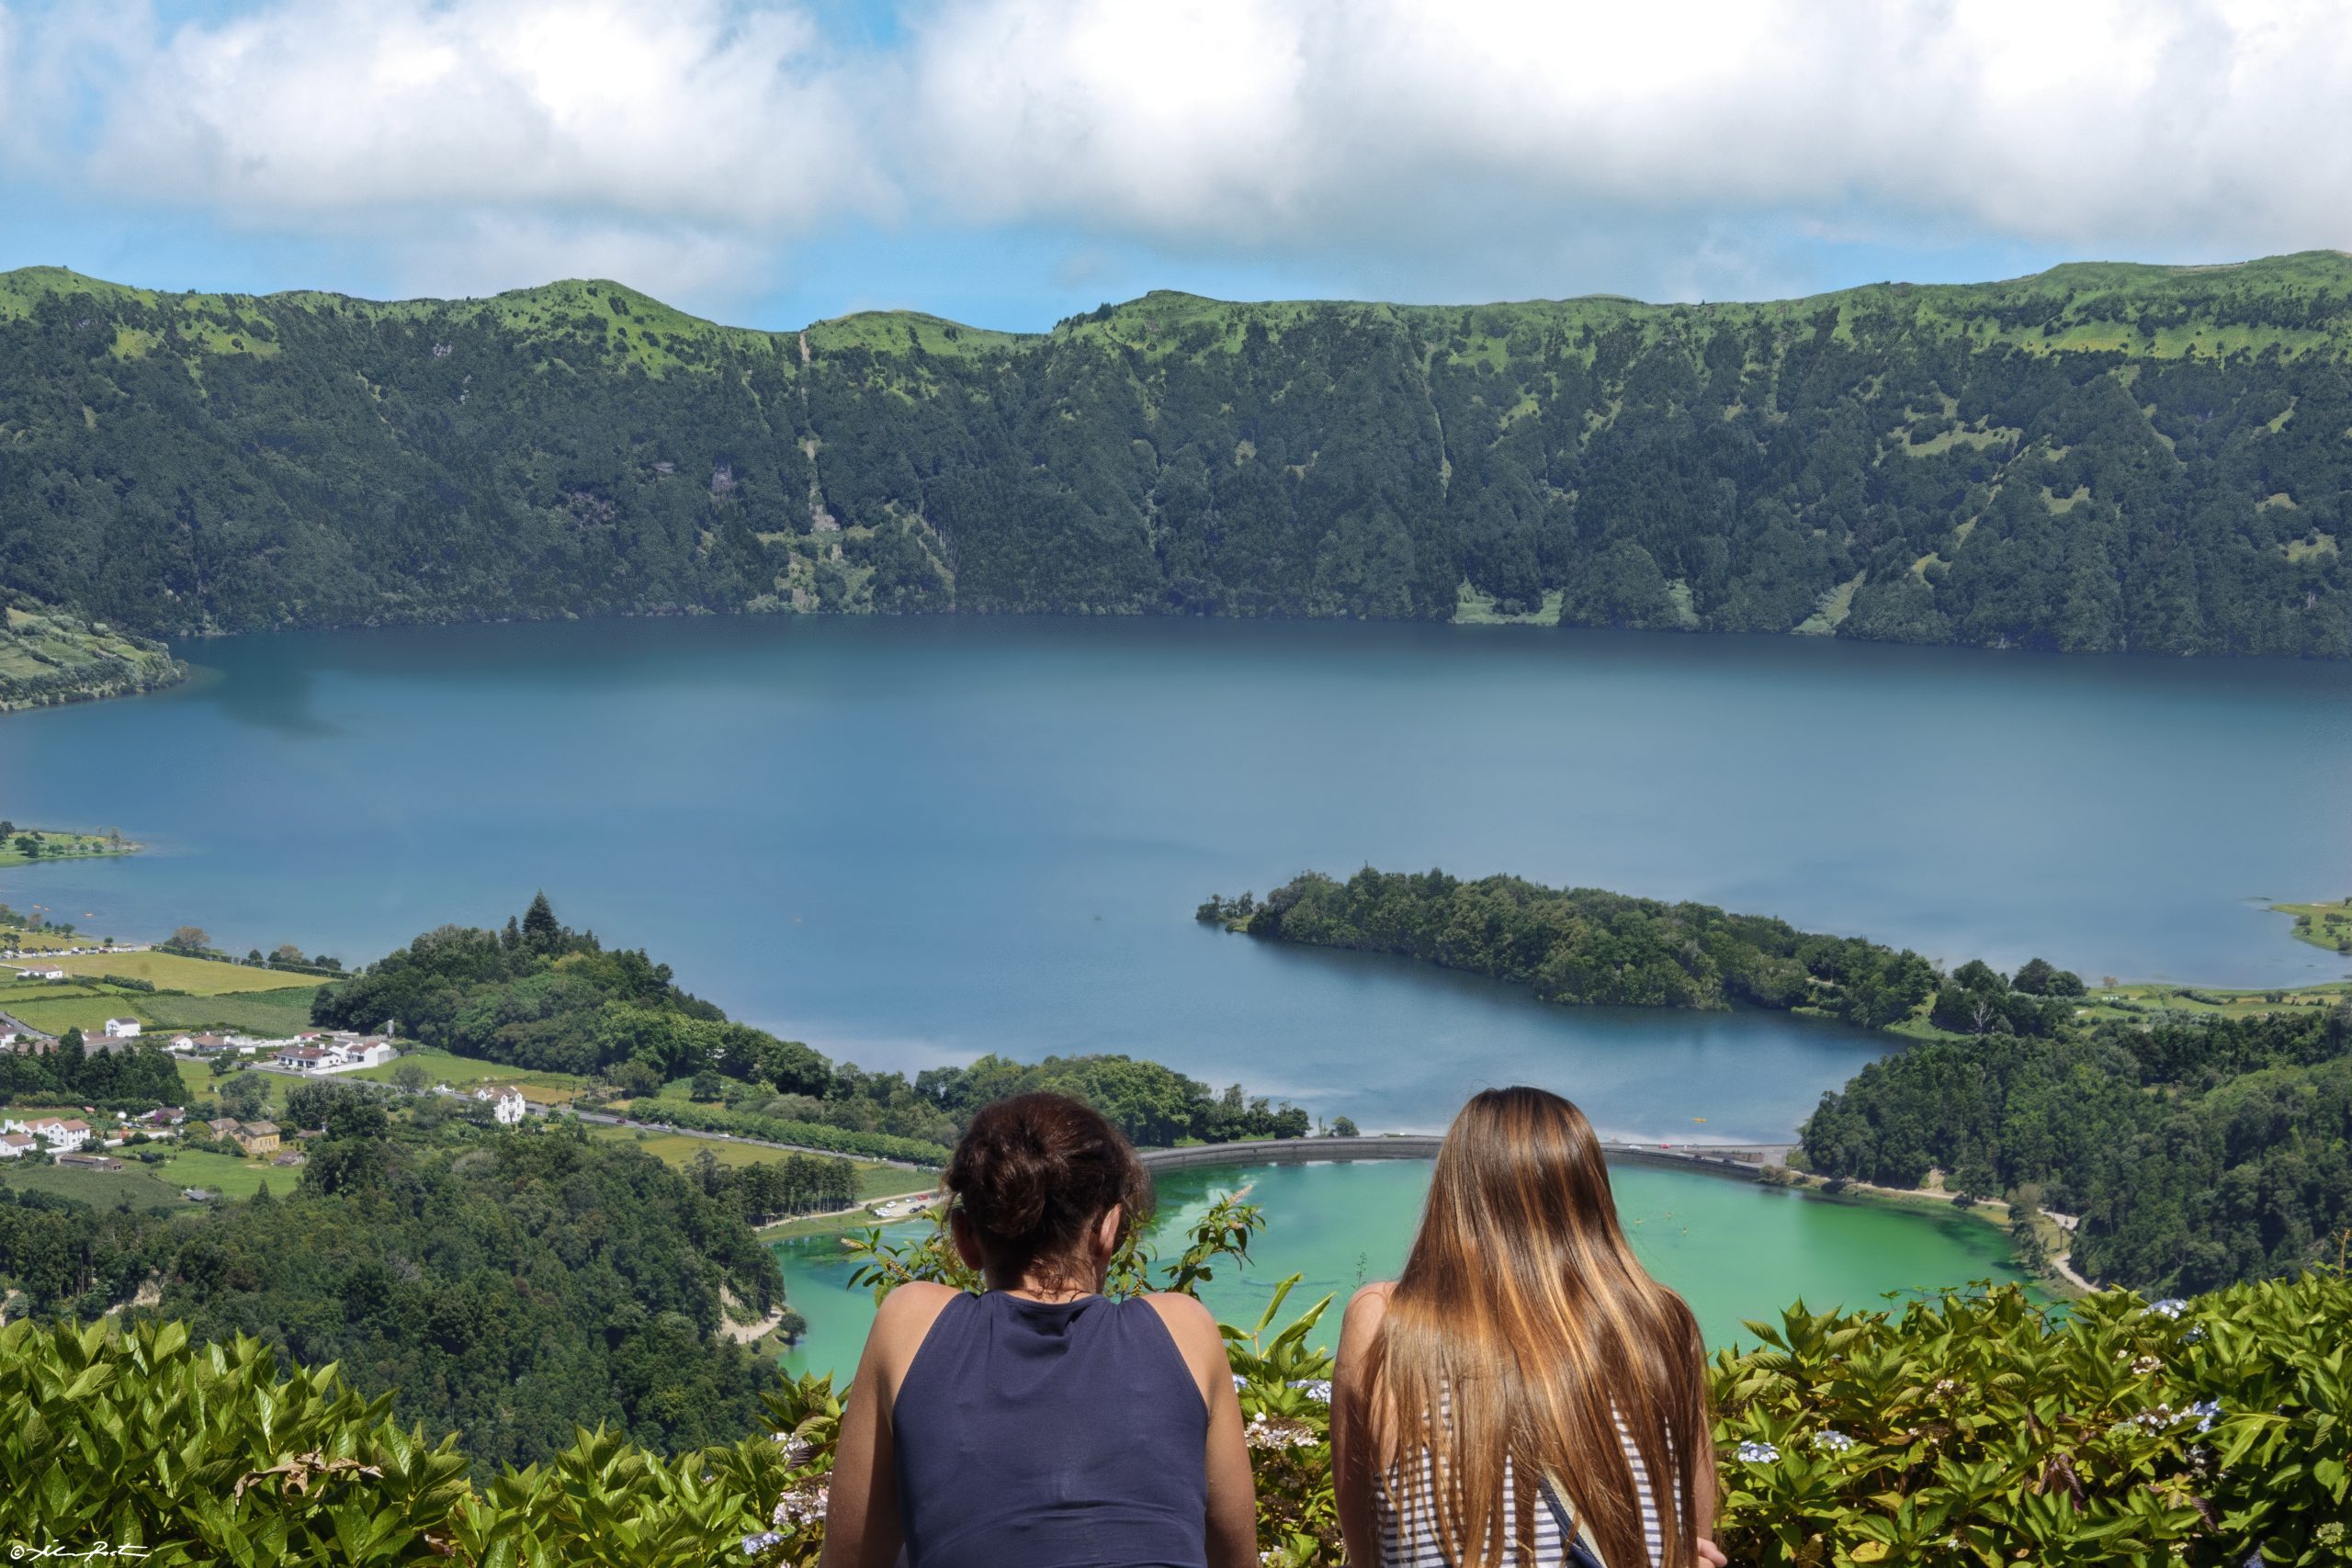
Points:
x=1524 y=1394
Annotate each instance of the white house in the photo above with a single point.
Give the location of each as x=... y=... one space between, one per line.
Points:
x=13 y=1145
x=62 y=1135
x=208 y=1044
x=370 y=1053
x=40 y=973
x=507 y=1104
x=122 y=1028
x=309 y=1058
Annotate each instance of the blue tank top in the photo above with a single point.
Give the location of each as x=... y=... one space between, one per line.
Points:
x=1062 y=1435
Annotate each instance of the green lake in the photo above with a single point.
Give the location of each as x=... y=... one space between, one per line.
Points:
x=1736 y=1249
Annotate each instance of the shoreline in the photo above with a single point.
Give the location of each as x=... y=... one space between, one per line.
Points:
x=108 y=845
x=1760 y=1164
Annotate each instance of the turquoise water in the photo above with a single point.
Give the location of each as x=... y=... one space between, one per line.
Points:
x=909 y=841
x=1734 y=1249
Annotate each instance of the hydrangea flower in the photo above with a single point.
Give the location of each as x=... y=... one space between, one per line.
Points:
x=1832 y=1440
x=1758 y=1453
x=801 y=1505
x=2171 y=1306
x=1241 y=1383
x=2207 y=1411
x=1266 y=1431
x=1317 y=1389
x=756 y=1545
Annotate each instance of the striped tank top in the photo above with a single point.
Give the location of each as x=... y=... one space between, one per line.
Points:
x=1411 y=1543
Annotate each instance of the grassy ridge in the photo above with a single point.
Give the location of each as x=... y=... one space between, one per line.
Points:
x=2100 y=458
x=2293 y=303
x=49 y=655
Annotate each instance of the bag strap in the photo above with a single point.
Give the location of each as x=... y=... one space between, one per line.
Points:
x=1576 y=1552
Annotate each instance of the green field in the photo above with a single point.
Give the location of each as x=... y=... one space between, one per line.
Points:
x=1473 y=608
x=680 y=1150
x=87 y=1012
x=194 y=993
x=177 y=972
x=99 y=1188
x=470 y=1072
x=59 y=843
x=271 y=1014
x=2321 y=925
x=2140 y=1000
x=147 y=1186
x=13 y=992
x=225 y=1174
x=873 y=1180
x=51 y=655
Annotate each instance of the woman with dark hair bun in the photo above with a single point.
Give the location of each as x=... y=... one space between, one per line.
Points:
x=1041 y=1424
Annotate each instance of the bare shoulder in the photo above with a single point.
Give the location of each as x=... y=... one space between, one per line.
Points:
x=916 y=1299
x=1370 y=1305
x=906 y=1315
x=1189 y=1323
x=1367 y=1309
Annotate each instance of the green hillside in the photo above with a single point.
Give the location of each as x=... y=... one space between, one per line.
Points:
x=47 y=655
x=2099 y=457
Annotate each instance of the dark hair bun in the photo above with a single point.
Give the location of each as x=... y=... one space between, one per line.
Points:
x=1036 y=1172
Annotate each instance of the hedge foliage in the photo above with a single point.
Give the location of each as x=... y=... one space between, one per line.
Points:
x=1970 y=1428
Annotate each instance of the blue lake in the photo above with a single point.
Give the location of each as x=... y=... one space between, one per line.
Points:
x=909 y=841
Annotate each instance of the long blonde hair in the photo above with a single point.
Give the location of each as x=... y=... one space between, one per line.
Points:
x=1523 y=1329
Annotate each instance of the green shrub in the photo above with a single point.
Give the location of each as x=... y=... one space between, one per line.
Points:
x=1971 y=1428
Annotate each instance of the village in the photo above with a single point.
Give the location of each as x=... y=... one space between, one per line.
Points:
x=79 y=1142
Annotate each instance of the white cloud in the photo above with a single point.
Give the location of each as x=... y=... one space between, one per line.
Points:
x=683 y=109
x=2082 y=123
x=700 y=140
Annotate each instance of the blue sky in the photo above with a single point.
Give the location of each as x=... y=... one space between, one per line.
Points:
x=1010 y=162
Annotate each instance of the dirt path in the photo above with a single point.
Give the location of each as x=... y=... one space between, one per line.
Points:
x=745 y=1332
x=2063 y=1265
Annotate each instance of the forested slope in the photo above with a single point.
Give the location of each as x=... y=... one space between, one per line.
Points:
x=2196 y=1153
x=2097 y=457
x=509 y=1285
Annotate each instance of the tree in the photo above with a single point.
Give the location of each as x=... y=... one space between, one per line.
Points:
x=194 y=938
x=540 y=928
x=411 y=1076
x=1978 y=976
x=1342 y=1127
x=2039 y=977
x=28 y=846
x=706 y=1086
x=286 y=952
x=635 y=1079
x=245 y=1094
